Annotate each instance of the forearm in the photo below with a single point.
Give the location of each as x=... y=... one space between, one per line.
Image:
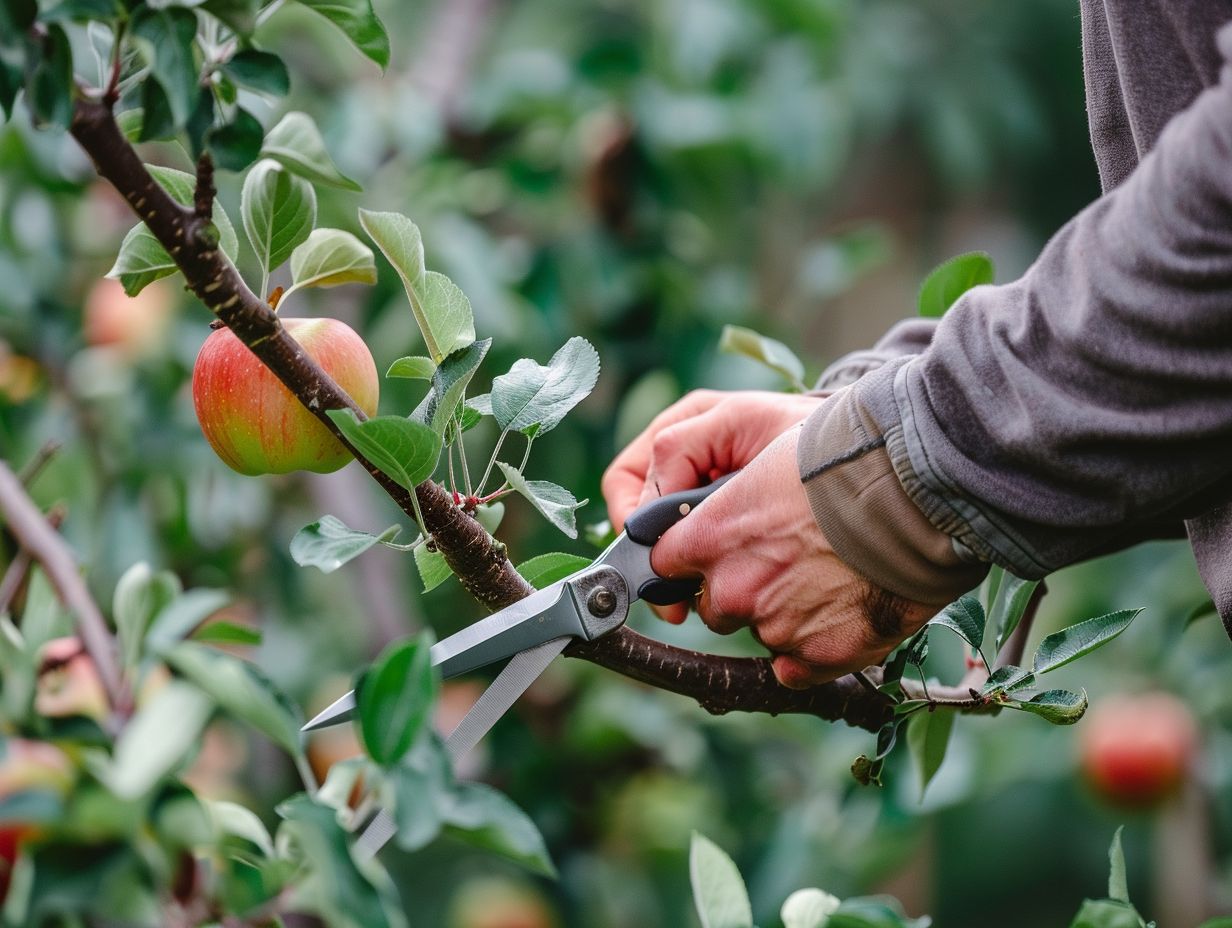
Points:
x=1073 y=410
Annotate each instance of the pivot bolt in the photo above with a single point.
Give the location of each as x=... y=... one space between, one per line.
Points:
x=601 y=602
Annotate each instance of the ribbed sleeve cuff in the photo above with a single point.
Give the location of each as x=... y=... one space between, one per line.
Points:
x=866 y=515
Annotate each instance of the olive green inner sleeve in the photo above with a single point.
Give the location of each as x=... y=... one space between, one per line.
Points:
x=868 y=518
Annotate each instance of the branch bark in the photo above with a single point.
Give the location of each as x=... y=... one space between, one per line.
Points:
x=719 y=684
x=37 y=536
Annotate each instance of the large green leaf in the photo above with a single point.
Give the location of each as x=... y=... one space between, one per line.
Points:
x=329 y=881
x=327 y=543
x=449 y=381
x=237 y=143
x=441 y=310
x=964 y=617
x=1061 y=707
x=240 y=15
x=359 y=23
x=158 y=739
x=534 y=398
x=928 y=735
x=1013 y=597
x=718 y=889
x=773 y=354
x=480 y=816
x=259 y=70
x=330 y=258
x=395 y=699
x=1069 y=644
x=237 y=821
x=296 y=144
x=278 y=210
x=404 y=450
x=1118 y=884
x=433 y=568
x=241 y=690
x=180 y=617
x=168 y=35
x=49 y=80
x=139 y=596
x=546 y=569
x=950 y=280
x=555 y=502
x=808 y=908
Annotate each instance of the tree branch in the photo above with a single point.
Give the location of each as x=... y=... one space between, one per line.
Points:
x=45 y=544
x=719 y=684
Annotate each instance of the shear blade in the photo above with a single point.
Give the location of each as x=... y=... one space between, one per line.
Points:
x=550 y=613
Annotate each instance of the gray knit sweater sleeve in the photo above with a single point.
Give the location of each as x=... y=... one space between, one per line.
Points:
x=1076 y=409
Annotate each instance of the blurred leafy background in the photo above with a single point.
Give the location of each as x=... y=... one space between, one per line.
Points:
x=640 y=172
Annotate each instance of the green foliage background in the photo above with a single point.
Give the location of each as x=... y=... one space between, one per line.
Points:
x=639 y=173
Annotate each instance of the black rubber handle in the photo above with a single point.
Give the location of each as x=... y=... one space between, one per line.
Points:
x=649 y=523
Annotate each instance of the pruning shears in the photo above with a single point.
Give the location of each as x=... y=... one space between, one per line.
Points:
x=586 y=605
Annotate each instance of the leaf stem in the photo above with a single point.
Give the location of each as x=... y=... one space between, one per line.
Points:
x=483 y=481
x=466 y=471
x=530 y=440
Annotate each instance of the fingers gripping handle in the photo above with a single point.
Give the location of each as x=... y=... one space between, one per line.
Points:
x=650 y=522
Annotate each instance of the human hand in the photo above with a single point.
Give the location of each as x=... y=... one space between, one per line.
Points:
x=765 y=563
x=696 y=440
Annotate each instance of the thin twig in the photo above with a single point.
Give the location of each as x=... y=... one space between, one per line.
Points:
x=19 y=569
x=33 y=467
x=48 y=547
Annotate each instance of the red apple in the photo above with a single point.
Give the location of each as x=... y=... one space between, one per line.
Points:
x=254 y=423
x=1137 y=750
x=136 y=326
x=26 y=765
x=68 y=682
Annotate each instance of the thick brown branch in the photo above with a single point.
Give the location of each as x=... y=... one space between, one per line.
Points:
x=719 y=684
x=37 y=536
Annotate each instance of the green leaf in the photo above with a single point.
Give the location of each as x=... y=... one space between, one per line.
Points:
x=873 y=912
x=158 y=739
x=157 y=120
x=236 y=144
x=16 y=17
x=808 y=908
x=1106 y=913
x=278 y=210
x=237 y=821
x=490 y=515
x=168 y=34
x=241 y=690
x=556 y=503
x=470 y=417
x=259 y=70
x=404 y=450
x=1015 y=593
x=11 y=78
x=449 y=382
x=49 y=83
x=240 y=15
x=330 y=258
x=928 y=735
x=201 y=119
x=142 y=259
x=441 y=310
x=718 y=889
x=140 y=595
x=546 y=569
x=1118 y=885
x=412 y=368
x=964 y=617
x=1220 y=922
x=537 y=397
x=1008 y=679
x=395 y=698
x=1061 y=707
x=296 y=144
x=359 y=23
x=327 y=544
x=950 y=280
x=227 y=633
x=773 y=354
x=330 y=881
x=484 y=818
x=433 y=568
x=1069 y=644
x=423 y=784
x=917 y=649
x=179 y=618
x=81 y=11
